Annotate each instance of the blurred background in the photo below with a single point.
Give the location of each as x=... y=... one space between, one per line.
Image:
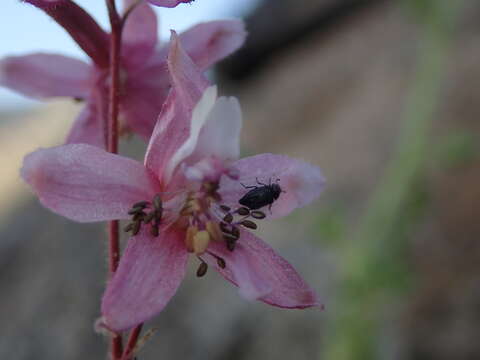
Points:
x=382 y=95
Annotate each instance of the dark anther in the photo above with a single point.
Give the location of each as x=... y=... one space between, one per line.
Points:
x=128 y=228
x=141 y=204
x=202 y=269
x=135 y=210
x=136 y=227
x=228 y=218
x=225 y=208
x=157 y=202
x=235 y=232
x=249 y=224
x=149 y=217
x=225 y=228
x=230 y=237
x=138 y=216
x=231 y=245
x=142 y=211
x=221 y=263
x=154 y=231
x=243 y=211
x=258 y=214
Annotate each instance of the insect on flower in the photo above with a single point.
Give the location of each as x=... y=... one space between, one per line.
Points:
x=260 y=196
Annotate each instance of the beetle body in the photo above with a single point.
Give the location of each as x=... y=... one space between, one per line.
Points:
x=260 y=196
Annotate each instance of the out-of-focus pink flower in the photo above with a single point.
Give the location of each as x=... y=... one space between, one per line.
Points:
x=184 y=199
x=144 y=79
x=168 y=3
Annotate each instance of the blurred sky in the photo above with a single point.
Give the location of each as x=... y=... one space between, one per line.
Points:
x=25 y=29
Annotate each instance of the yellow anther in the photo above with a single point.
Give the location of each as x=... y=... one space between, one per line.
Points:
x=200 y=242
x=191 y=232
x=214 y=231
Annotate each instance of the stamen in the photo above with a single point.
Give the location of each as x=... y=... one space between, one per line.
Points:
x=225 y=228
x=136 y=227
x=243 y=211
x=140 y=214
x=202 y=269
x=141 y=204
x=228 y=218
x=154 y=231
x=235 y=232
x=258 y=214
x=214 y=230
x=191 y=232
x=157 y=202
x=149 y=217
x=220 y=261
x=230 y=237
x=200 y=242
x=231 y=245
x=249 y=224
x=135 y=210
x=225 y=208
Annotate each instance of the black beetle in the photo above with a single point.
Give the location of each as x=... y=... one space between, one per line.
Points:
x=260 y=196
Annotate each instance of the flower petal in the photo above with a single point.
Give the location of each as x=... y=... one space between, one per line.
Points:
x=187 y=79
x=168 y=3
x=212 y=41
x=45 y=75
x=220 y=134
x=260 y=273
x=301 y=182
x=173 y=126
x=87 y=128
x=199 y=117
x=139 y=36
x=80 y=26
x=143 y=99
x=151 y=269
x=85 y=183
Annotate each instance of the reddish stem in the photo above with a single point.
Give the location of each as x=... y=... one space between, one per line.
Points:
x=116 y=23
x=112 y=145
x=132 y=341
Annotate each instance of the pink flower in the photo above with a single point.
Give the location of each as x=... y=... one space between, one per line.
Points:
x=145 y=82
x=183 y=200
x=168 y=3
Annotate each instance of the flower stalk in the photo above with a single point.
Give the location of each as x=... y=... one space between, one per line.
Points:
x=112 y=146
x=112 y=135
x=131 y=343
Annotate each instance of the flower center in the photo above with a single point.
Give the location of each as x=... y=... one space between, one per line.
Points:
x=208 y=220
x=203 y=217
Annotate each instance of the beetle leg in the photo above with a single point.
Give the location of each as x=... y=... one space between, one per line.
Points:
x=248 y=187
